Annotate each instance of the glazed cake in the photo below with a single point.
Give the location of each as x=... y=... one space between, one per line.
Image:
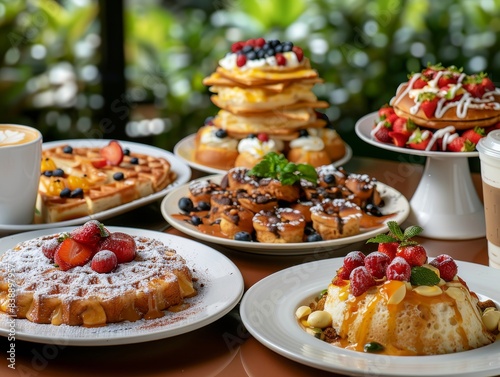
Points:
x=155 y=280
x=395 y=302
x=77 y=182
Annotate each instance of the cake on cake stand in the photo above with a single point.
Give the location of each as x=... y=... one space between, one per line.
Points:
x=445 y=204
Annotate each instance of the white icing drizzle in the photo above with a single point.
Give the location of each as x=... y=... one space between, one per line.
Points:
x=442 y=133
x=377 y=128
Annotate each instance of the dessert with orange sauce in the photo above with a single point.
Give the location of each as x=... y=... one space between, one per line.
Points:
x=394 y=301
x=90 y=277
x=81 y=181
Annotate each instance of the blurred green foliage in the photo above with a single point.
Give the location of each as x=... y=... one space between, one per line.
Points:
x=362 y=49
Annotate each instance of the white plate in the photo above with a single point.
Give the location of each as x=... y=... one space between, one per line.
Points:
x=221 y=291
x=178 y=166
x=365 y=125
x=184 y=149
x=395 y=202
x=268 y=313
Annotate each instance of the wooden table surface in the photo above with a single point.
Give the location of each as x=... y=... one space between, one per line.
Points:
x=224 y=348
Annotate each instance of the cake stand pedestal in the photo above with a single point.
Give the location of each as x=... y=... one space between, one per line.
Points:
x=445 y=204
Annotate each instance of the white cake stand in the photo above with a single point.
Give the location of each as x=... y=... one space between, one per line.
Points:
x=445 y=204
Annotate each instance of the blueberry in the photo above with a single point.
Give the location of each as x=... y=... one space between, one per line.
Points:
x=58 y=173
x=251 y=55
x=126 y=152
x=203 y=206
x=68 y=149
x=185 y=204
x=246 y=49
x=303 y=133
x=65 y=193
x=274 y=42
x=221 y=134
x=76 y=193
x=134 y=161
x=243 y=236
x=269 y=52
x=329 y=178
x=309 y=230
x=278 y=48
x=209 y=121
x=196 y=220
x=118 y=176
x=372 y=210
x=314 y=237
x=261 y=53
x=287 y=46
x=48 y=173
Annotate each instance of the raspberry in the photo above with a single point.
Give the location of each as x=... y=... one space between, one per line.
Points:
x=280 y=59
x=446 y=266
x=361 y=280
x=415 y=255
x=259 y=42
x=398 y=269
x=237 y=46
x=388 y=248
x=376 y=263
x=354 y=259
x=263 y=137
x=241 y=60
x=343 y=273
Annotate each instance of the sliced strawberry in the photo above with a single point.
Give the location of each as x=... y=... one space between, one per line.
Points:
x=460 y=144
x=382 y=134
x=473 y=85
x=90 y=233
x=487 y=84
x=428 y=104
x=399 y=139
x=113 y=153
x=122 y=244
x=99 y=163
x=474 y=134
x=405 y=126
x=446 y=80
x=419 y=140
x=71 y=254
x=104 y=261
x=415 y=255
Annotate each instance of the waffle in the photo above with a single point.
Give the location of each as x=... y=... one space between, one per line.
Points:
x=101 y=190
x=155 y=280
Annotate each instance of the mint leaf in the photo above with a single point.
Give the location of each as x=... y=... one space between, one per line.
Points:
x=395 y=230
x=382 y=238
x=423 y=276
x=412 y=231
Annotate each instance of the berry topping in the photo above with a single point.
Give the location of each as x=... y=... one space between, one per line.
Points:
x=351 y=261
x=49 y=247
x=72 y=253
x=118 y=176
x=280 y=59
x=446 y=266
x=65 y=193
x=90 y=233
x=68 y=149
x=361 y=281
x=263 y=137
x=241 y=60
x=113 y=153
x=185 y=204
x=315 y=237
x=126 y=152
x=388 y=248
x=209 y=121
x=196 y=220
x=99 y=163
x=203 y=206
x=104 y=261
x=134 y=161
x=122 y=244
x=76 y=194
x=398 y=269
x=415 y=255
x=376 y=263
x=221 y=134
x=243 y=236
x=58 y=173
x=298 y=51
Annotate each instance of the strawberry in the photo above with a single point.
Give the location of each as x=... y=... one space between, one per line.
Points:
x=123 y=245
x=473 y=85
x=496 y=126
x=431 y=70
x=376 y=263
x=487 y=84
x=446 y=266
x=446 y=80
x=90 y=233
x=298 y=52
x=382 y=134
x=452 y=93
x=280 y=59
x=391 y=119
x=99 y=163
x=399 y=139
x=104 y=261
x=474 y=134
x=71 y=254
x=419 y=139
x=263 y=137
x=385 y=111
x=361 y=281
x=113 y=153
x=398 y=269
x=403 y=125
x=388 y=248
x=413 y=253
x=421 y=82
x=50 y=246
x=460 y=144
x=428 y=103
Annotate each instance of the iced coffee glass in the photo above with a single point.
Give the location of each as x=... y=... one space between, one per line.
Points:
x=489 y=155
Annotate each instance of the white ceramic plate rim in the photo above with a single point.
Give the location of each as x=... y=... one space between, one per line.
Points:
x=184 y=149
x=365 y=124
x=182 y=170
x=222 y=290
x=268 y=313
x=169 y=207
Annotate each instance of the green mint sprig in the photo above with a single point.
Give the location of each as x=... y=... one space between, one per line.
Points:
x=276 y=166
x=397 y=235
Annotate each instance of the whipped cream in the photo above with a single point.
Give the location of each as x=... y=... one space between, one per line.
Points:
x=308 y=143
x=209 y=138
x=258 y=148
x=229 y=61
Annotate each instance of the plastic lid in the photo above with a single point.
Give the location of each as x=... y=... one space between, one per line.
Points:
x=490 y=144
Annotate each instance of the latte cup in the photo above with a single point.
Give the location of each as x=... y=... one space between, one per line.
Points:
x=489 y=155
x=20 y=155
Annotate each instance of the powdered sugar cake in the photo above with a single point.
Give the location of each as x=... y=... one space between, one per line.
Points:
x=157 y=279
x=104 y=185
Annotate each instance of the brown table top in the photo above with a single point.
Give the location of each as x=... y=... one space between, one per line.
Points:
x=222 y=348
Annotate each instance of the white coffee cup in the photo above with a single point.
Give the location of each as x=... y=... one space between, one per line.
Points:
x=489 y=155
x=20 y=156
